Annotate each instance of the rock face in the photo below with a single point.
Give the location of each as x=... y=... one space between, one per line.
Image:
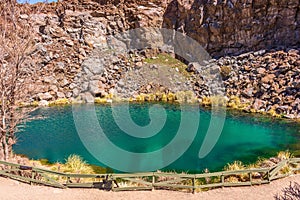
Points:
x=222 y=27
x=234 y=26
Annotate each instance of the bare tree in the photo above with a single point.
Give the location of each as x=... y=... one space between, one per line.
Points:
x=17 y=73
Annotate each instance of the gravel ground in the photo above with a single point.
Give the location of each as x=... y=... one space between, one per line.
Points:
x=11 y=190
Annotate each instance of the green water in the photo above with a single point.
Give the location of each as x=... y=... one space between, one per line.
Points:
x=53 y=136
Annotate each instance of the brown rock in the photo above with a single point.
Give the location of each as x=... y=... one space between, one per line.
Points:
x=247 y=68
x=261 y=70
x=268 y=78
x=258 y=104
x=60 y=95
x=69 y=43
x=45 y=96
x=248 y=92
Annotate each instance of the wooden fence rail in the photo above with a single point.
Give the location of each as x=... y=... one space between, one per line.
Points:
x=150 y=180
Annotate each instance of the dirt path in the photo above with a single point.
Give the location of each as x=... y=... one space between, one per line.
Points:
x=11 y=190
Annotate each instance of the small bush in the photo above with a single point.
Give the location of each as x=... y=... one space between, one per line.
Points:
x=292 y=192
x=171 y=96
x=261 y=162
x=286 y=169
x=214 y=100
x=236 y=165
x=75 y=164
x=218 y=100
x=284 y=155
x=57 y=102
x=180 y=96
x=99 y=100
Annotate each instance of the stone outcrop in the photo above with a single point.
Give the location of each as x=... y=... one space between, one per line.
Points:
x=226 y=27
x=223 y=27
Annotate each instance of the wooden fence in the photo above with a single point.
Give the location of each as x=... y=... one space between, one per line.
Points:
x=150 y=180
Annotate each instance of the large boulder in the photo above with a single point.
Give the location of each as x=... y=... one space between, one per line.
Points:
x=45 y=96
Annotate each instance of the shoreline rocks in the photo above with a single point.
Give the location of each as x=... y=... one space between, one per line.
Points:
x=265 y=83
x=268 y=82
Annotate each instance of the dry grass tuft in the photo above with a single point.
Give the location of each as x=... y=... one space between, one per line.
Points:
x=284 y=155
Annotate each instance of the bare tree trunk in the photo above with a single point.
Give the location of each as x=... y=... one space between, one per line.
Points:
x=1 y=150
x=6 y=151
x=3 y=127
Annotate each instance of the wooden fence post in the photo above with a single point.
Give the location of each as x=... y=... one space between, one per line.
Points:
x=223 y=180
x=194 y=181
x=153 y=181
x=113 y=181
x=32 y=176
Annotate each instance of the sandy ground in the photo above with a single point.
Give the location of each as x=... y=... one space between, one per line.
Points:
x=10 y=190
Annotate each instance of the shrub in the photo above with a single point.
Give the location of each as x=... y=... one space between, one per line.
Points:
x=164 y=98
x=261 y=162
x=171 y=96
x=286 y=169
x=140 y=98
x=236 y=165
x=292 y=192
x=62 y=101
x=206 y=101
x=75 y=164
x=284 y=155
x=180 y=96
x=234 y=102
x=218 y=100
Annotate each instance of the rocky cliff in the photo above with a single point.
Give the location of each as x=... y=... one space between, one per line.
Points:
x=221 y=26
x=70 y=36
x=234 y=26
